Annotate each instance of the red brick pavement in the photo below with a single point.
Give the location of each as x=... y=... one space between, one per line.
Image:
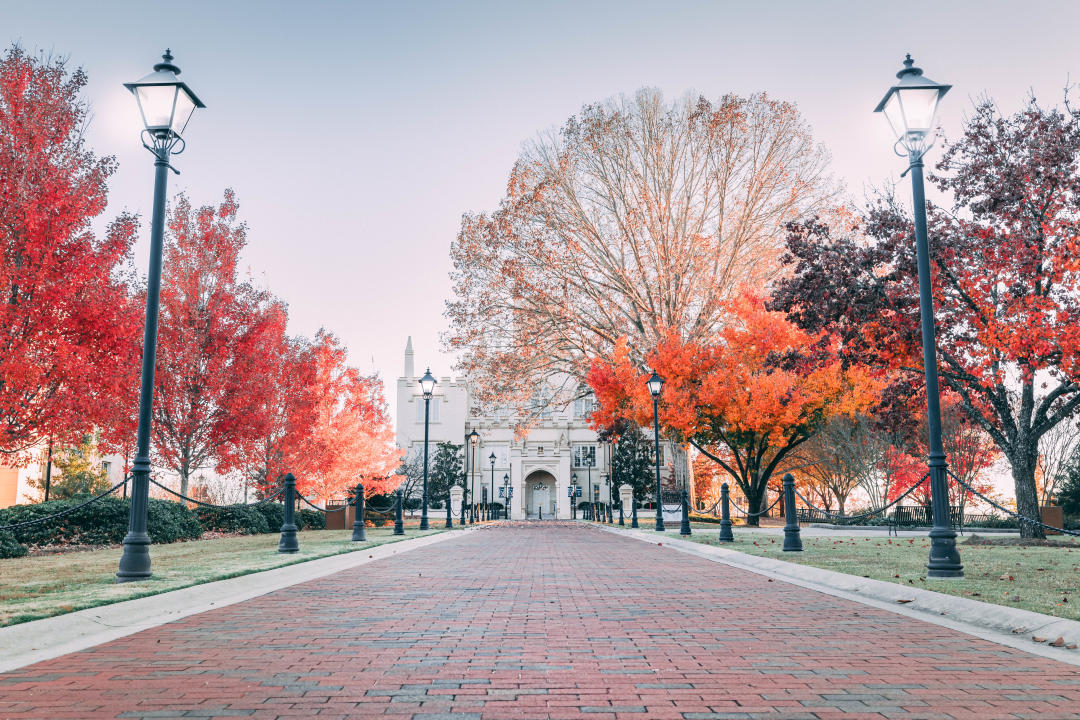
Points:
x=545 y=620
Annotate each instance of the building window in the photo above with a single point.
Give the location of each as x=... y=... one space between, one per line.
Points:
x=584 y=406
x=584 y=456
x=434 y=410
x=539 y=449
x=106 y=466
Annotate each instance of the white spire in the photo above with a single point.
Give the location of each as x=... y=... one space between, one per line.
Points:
x=410 y=371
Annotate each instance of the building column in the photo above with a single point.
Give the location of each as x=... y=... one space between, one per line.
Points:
x=516 y=481
x=562 y=482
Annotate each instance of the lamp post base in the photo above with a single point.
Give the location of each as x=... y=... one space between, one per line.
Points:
x=135 y=562
x=944 y=557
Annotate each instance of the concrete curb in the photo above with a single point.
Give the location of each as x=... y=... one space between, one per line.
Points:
x=48 y=638
x=995 y=623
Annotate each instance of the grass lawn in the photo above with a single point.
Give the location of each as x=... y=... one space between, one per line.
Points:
x=1043 y=579
x=46 y=585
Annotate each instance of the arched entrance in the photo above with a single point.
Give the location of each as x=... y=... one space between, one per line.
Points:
x=540 y=497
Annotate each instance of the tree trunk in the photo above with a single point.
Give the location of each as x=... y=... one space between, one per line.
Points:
x=680 y=464
x=756 y=501
x=48 y=471
x=184 y=477
x=1027 y=497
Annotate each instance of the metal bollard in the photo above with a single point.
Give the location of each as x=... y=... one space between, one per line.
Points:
x=725 y=516
x=633 y=512
x=610 y=520
x=622 y=522
x=792 y=539
x=449 y=511
x=684 y=528
x=540 y=516
x=461 y=520
x=399 y=523
x=288 y=542
x=359 y=534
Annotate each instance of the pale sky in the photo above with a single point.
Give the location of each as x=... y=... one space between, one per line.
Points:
x=356 y=134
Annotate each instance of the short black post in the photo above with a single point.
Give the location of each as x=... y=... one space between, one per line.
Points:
x=540 y=513
x=633 y=512
x=461 y=520
x=449 y=511
x=288 y=542
x=684 y=528
x=359 y=534
x=399 y=523
x=610 y=519
x=792 y=539
x=725 y=516
x=622 y=522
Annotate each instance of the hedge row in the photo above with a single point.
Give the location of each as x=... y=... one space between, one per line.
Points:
x=105 y=522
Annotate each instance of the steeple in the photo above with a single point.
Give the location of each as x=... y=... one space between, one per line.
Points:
x=410 y=371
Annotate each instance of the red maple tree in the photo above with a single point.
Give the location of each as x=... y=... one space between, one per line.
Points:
x=217 y=338
x=68 y=332
x=348 y=437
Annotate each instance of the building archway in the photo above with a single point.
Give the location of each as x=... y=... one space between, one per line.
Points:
x=540 y=495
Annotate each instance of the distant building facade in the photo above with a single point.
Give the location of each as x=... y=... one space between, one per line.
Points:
x=560 y=450
x=17 y=483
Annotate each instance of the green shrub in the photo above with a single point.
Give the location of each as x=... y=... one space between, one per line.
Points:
x=101 y=523
x=10 y=547
x=274 y=514
x=171 y=521
x=104 y=522
x=236 y=519
x=310 y=520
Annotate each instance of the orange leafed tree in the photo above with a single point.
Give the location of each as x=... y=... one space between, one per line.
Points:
x=746 y=400
x=349 y=438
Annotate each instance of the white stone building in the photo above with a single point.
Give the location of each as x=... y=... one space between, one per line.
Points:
x=559 y=450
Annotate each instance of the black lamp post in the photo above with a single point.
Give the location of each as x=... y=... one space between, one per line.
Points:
x=492 y=502
x=592 y=496
x=166 y=105
x=911 y=108
x=506 y=495
x=573 y=495
x=474 y=440
x=656 y=385
x=427 y=386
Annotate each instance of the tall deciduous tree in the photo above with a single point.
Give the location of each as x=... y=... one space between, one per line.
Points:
x=1005 y=273
x=288 y=412
x=748 y=400
x=217 y=337
x=68 y=332
x=637 y=219
x=351 y=439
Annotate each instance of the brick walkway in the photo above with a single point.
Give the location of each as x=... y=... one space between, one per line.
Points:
x=545 y=621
